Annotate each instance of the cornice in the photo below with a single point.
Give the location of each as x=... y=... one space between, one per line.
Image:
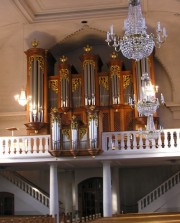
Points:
x=33 y=16
x=174 y=108
x=4 y=116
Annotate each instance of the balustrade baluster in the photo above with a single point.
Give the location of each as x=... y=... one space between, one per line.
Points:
x=153 y=143
x=116 y=141
x=165 y=139
x=159 y=142
x=35 y=145
x=140 y=141
x=47 y=144
x=40 y=145
x=128 y=141
x=17 y=144
x=122 y=141
x=147 y=143
x=177 y=138
x=28 y=145
x=11 y=146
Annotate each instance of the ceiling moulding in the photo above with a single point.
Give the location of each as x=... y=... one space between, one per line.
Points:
x=24 y=10
x=32 y=16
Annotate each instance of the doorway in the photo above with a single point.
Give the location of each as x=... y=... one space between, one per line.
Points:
x=6 y=203
x=90 y=196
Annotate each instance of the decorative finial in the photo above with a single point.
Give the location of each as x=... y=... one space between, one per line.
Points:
x=114 y=55
x=63 y=59
x=87 y=48
x=35 y=43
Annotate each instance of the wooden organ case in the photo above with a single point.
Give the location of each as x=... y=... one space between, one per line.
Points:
x=75 y=108
x=40 y=64
x=86 y=104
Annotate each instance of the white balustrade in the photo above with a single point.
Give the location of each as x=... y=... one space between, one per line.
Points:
x=134 y=142
x=128 y=142
x=26 y=187
x=24 y=145
x=159 y=191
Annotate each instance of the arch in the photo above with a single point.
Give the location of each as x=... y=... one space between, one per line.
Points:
x=90 y=196
x=6 y=203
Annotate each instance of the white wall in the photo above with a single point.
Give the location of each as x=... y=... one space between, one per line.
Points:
x=24 y=204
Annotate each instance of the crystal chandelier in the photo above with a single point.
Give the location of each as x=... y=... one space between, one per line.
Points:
x=147 y=105
x=21 y=98
x=151 y=132
x=136 y=42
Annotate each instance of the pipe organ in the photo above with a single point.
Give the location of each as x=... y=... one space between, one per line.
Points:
x=76 y=107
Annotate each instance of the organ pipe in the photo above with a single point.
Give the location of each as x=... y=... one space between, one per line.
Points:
x=74 y=133
x=56 y=129
x=93 y=130
x=65 y=84
x=115 y=74
x=36 y=88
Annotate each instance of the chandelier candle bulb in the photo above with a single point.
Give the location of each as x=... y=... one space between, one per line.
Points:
x=111 y=30
x=162 y=98
x=164 y=32
x=159 y=27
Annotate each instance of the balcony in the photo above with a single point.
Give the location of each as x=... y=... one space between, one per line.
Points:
x=115 y=145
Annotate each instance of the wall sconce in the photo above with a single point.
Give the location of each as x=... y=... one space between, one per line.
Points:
x=21 y=98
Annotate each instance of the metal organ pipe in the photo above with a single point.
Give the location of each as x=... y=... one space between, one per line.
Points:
x=74 y=138
x=115 y=89
x=93 y=127
x=36 y=90
x=92 y=84
x=89 y=85
x=56 y=128
x=65 y=88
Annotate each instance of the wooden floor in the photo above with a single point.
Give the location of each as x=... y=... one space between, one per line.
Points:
x=142 y=218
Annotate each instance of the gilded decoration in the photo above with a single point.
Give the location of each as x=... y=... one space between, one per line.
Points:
x=114 y=55
x=82 y=132
x=93 y=117
x=104 y=82
x=55 y=117
x=76 y=82
x=126 y=81
x=53 y=84
x=91 y=62
x=35 y=43
x=87 y=48
x=74 y=123
x=63 y=59
x=40 y=60
x=64 y=74
x=67 y=133
x=115 y=70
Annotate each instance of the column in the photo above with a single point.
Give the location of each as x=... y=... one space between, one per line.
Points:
x=115 y=191
x=54 y=195
x=107 y=193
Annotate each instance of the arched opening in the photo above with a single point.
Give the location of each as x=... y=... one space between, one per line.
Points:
x=90 y=197
x=6 y=203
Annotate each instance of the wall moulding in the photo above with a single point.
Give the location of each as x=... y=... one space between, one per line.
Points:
x=4 y=116
x=174 y=108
